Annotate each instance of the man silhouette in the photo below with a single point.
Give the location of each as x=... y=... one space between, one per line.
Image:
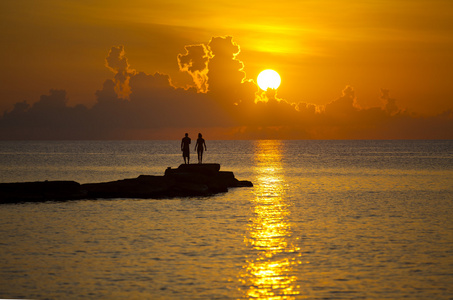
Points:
x=185 y=142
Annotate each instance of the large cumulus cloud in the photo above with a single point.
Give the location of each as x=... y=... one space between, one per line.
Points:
x=195 y=62
x=222 y=101
x=117 y=62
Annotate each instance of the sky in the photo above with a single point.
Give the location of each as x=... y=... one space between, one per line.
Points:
x=155 y=69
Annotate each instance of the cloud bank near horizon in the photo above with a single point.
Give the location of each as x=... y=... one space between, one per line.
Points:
x=222 y=103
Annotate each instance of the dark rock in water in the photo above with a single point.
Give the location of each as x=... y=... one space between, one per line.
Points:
x=205 y=174
x=40 y=191
x=244 y=183
x=144 y=186
x=208 y=169
x=184 y=181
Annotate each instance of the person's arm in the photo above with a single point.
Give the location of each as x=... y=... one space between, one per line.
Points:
x=196 y=145
x=205 y=146
x=182 y=145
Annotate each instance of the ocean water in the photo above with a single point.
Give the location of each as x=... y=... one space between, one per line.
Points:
x=324 y=220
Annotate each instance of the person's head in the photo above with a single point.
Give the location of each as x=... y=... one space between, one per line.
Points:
x=186 y=134
x=199 y=135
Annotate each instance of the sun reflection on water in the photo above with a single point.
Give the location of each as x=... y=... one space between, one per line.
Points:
x=269 y=272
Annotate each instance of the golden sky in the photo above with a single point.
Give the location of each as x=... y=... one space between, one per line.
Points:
x=319 y=48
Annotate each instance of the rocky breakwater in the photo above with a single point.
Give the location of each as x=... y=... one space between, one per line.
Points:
x=184 y=181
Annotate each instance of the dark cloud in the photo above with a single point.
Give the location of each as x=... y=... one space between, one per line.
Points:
x=389 y=104
x=216 y=69
x=195 y=62
x=222 y=102
x=343 y=107
x=225 y=71
x=117 y=62
x=50 y=117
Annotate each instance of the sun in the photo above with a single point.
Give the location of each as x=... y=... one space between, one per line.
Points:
x=268 y=79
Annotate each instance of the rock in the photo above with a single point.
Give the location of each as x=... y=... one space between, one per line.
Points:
x=40 y=191
x=144 y=186
x=185 y=181
x=244 y=183
x=207 y=174
x=207 y=169
x=191 y=189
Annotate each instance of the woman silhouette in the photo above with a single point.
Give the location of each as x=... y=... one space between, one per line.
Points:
x=199 y=148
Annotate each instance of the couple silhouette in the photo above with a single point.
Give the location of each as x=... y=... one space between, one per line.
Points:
x=185 y=142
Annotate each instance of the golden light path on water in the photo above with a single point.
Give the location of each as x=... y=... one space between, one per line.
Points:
x=269 y=272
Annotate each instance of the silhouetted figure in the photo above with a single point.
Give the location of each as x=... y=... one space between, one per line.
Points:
x=199 y=148
x=185 y=142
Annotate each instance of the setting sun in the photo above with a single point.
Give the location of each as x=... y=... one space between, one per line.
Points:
x=269 y=79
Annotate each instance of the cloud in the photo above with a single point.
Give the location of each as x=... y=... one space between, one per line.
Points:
x=222 y=102
x=225 y=71
x=389 y=104
x=117 y=62
x=345 y=106
x=195 y=62
x=49 y=115
x=215 y=68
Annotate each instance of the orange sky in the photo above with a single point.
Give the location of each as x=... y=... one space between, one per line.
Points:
x=318 y=47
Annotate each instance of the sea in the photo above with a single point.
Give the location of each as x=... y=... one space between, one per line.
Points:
x=334 y=219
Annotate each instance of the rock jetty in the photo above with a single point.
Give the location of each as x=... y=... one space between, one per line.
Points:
x=184 y=181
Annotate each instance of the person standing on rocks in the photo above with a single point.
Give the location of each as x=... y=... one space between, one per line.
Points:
x=185 y=142
x=199 y=148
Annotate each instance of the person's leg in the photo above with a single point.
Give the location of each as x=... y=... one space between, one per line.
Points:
x=200 y=156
